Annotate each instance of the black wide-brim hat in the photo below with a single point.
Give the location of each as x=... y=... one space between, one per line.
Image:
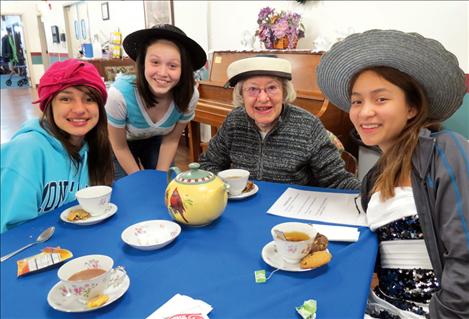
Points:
x=426 y=60
x=136 y=40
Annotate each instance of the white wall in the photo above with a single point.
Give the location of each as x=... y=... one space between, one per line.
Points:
x=445 y=21
x=192 y=18
x=52 y=14
x=219 y=25
x=124 y=16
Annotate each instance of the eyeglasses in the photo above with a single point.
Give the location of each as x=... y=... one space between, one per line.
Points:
x=271 y=90
x=356 y=204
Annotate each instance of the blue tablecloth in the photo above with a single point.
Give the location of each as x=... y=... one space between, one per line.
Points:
x=215 y=263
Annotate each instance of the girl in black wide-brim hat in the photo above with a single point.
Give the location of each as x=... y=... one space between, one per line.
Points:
x=397 y=88
x=148 y=112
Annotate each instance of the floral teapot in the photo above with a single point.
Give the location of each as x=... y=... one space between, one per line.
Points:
x=195 y=197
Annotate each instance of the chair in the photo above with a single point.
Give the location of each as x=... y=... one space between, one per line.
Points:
x=351 y=163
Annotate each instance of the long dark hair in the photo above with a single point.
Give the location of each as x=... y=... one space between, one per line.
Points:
x=100 y=168
x=395 y=165
x=182 y=92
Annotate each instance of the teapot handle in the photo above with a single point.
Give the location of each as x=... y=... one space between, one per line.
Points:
x=174 y=169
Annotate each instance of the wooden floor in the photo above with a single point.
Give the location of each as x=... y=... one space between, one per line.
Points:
x=16 y=107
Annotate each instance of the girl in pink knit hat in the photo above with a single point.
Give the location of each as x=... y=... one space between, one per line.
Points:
x=49 y=159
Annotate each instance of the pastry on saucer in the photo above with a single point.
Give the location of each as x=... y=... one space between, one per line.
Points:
x=78 y=214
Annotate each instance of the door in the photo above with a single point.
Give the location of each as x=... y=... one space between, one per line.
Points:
x=42 y=39
x=14 y=60
x=76 y=16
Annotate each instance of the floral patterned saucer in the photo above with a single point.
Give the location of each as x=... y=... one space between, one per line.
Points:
x=151 y=234
x=244 y=194
x=59 y=300
x=91 y=220
x=273 y=259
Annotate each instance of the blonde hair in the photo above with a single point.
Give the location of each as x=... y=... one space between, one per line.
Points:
x=289 y=93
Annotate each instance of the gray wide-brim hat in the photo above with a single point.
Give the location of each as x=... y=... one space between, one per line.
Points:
x=267 y=65
x=426 y=60
x=133 y=42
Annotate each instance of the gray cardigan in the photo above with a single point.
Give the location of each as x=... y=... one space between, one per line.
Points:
x=440 y=182
x=296 y=151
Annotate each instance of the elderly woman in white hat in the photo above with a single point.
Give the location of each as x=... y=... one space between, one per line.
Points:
x=272 y=139
x=397 y=86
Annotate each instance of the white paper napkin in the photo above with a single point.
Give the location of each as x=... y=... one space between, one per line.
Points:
x=338 y=233
x=180 y=305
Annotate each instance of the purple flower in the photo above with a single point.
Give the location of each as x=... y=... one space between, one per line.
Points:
x=280 y=29
x=264 y=13
x=274 y=26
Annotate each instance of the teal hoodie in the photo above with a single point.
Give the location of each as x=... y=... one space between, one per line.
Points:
x=37 y=175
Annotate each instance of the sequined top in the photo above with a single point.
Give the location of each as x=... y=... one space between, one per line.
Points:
x=406 y=288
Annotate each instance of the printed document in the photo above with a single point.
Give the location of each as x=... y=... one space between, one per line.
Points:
x=339 y=208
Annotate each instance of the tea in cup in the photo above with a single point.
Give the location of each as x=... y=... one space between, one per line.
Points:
x=94 y=199
x=89 y=276
x=236 y=179
x=294 y=241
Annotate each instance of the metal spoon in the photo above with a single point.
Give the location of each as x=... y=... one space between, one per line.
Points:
x=45 y=235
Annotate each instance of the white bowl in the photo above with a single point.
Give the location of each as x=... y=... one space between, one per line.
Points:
x=151 y=234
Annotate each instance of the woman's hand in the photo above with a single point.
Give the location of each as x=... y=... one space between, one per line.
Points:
x=118 y=139
x=169 y=146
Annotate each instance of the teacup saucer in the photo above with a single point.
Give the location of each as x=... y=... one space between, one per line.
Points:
x=254 y=190
x=57 y=299
x=273 y=259
x=92 y=219
x=151 y=234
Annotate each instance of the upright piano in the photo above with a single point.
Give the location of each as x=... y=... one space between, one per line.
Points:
x=215 y=100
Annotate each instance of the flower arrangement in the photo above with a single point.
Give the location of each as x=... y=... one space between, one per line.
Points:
x=279 y=28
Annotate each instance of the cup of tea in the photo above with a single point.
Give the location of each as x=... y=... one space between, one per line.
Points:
x=293 y=240
x=89 y=276
x=236 y=178
x=94 y=199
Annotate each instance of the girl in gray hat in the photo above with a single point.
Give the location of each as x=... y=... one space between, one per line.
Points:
x=272 y=139
x=398 y=87
x=147 y=113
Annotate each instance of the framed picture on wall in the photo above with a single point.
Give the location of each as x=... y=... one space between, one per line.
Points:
x=105 y=10
x=158 y=12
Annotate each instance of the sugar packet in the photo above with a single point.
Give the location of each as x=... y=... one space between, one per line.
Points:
x=49 y=256
x=308 y=309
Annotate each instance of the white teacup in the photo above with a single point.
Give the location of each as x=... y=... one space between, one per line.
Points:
x=293 y=251
x=236 y=178
x=94 y=199
x=89 y=276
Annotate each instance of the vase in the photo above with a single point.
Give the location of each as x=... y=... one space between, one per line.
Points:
x=283 y=44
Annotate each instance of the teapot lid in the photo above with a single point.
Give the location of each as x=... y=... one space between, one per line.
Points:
x=195 y=175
